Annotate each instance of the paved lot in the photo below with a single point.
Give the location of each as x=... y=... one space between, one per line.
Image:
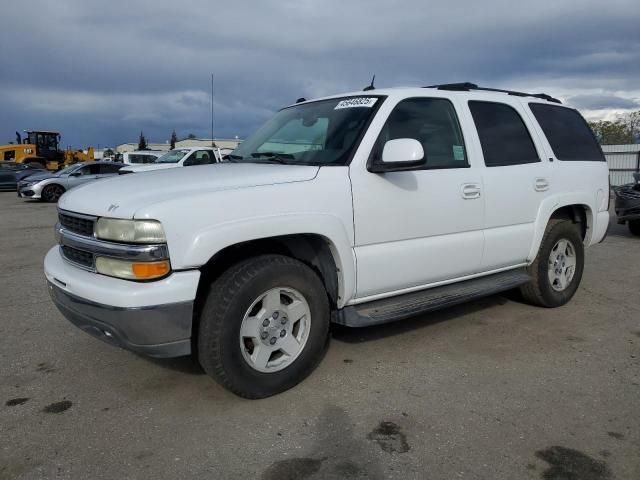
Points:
x=493 y=389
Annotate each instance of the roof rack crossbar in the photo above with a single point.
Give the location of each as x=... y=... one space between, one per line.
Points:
x=467 y=86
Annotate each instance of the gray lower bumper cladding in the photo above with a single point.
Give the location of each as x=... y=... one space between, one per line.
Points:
x=156 y=331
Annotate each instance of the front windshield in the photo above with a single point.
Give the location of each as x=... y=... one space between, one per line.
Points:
x=316 y=133
x=69 y=169
x=173 y=156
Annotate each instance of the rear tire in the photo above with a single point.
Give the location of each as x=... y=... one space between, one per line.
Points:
x=52 y=193
x=244 y=333
x=557 y=270
x=634 y=227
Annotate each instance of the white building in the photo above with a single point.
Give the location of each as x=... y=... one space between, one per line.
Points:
x=189 y=142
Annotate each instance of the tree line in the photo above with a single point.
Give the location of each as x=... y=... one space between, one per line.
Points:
x=622 y=131
x=142 y=140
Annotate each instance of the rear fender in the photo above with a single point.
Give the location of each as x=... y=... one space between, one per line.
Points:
x=549 y=206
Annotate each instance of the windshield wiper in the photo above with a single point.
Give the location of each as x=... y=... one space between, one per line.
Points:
x=230 y=157
x=274 y=157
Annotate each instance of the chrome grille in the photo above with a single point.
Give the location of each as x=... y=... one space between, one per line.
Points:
x=79 y=257
x=82 y=225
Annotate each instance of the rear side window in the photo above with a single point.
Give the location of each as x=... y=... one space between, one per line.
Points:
x=503 y=135
x=141 y=158
x=568 y=133
x=109 y=168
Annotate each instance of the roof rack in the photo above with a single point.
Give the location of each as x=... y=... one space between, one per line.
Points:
x=468 y=86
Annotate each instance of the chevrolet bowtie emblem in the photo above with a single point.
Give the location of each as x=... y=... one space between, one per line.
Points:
x=112 y=207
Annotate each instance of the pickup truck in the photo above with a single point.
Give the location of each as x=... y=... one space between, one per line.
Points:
x=355 y=209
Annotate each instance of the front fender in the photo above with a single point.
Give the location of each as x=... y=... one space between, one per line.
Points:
x=553 y=203
x=214 y=239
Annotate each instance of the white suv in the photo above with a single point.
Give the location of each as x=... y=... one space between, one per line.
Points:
x=357 y=209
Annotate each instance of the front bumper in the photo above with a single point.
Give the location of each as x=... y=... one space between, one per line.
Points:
x=30 y=191
x=157 y=331
x=154 y=318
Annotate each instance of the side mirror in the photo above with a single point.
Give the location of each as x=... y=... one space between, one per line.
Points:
x=75 y=174
x=400 y=155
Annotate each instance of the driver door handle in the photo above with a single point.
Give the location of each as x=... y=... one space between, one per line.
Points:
x=470 y=191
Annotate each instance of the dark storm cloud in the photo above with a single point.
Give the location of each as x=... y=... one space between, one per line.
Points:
x=100 y=73
x=598 y=102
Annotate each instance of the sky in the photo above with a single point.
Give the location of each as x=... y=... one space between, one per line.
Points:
x=101 y=72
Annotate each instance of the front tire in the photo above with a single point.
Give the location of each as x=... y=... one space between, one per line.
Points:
x=634 y=227
x=557 y=270
x=264 y=326
x=52 y=193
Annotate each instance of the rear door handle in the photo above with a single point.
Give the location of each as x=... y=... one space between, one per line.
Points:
x=470 y=191
x=541 y=185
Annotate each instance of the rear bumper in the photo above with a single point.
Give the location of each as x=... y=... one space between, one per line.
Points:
x=600 y=227
x=157 y=331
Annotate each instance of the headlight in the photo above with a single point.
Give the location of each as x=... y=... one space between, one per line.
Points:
x=130 y=231
x=132 y=270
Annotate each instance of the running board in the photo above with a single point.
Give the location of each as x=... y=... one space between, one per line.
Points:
x=410 y=304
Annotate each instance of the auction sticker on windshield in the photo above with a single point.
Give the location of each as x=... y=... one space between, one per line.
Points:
x=356 y=102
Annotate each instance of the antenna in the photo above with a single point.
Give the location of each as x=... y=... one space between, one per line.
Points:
x=370 y=87
x=212 y=94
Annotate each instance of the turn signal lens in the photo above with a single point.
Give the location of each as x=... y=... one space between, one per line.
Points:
x=150 y=270
x=114 y=267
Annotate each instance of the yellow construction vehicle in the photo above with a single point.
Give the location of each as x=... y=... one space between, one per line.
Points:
x=41 y=147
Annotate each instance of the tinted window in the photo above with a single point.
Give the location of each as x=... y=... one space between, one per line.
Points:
x=503 y=135
x=431 y=121
x=141 y=158
x=89 y=170
x=109 y=168
x=200 y=157
x=568 y=133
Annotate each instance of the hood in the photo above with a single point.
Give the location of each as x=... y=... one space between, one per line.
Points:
x=147 y=167
x=123 y=195
x=36 y=177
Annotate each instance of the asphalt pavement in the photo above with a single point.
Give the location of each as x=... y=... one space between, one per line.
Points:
x=494 y=389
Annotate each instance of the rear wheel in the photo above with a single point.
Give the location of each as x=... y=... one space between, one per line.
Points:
x=264 y=326
x=52 y=193
x=634 y=227
x=557 y=270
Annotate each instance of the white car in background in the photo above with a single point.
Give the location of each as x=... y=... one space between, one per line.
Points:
x=178 y=157
x=141 y=156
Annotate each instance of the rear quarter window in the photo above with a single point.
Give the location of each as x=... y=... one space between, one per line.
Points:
x=568 y=133
x=504 y=137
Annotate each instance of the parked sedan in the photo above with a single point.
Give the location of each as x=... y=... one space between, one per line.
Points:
x=11 y=173
x=628 y=205
x=178 y=157
x=49 y=187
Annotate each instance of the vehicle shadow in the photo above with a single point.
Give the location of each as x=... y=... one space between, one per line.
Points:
x=617 y=230
x=366 y=334
x=188 y=364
